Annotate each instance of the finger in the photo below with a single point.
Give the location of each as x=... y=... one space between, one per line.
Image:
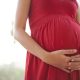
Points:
x=71 y=51
x=78 y=68
x=69 y=64
x=72 y=70
x=76 y=56
x=74 y=59
x=75 y=65
x=66 y=70
x=68 y=60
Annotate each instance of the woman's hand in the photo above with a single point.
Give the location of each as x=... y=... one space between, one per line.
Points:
x=59 y=59
x=75 y=62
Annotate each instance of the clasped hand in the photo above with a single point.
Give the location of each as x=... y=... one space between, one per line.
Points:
x=74 y=63
x=59 y=59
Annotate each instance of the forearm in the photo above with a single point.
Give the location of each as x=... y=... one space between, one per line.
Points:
x=78 y=15
x=78 y=19
x=27 y=42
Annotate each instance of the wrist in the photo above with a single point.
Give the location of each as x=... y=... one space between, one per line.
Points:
x=49 y=58
x=44 y=55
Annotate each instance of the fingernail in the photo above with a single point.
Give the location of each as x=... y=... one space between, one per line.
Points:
x=75 y=50
x=69 y=67
x=72 y=60
x=69 y=63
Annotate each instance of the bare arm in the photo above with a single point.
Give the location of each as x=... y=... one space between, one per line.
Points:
x=19 y=31
x=78 y=15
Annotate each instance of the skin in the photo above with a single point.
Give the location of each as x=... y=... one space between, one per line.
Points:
x=54 y=58
x=78 y=15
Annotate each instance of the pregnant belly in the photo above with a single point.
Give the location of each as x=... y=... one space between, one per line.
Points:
x=57 y=32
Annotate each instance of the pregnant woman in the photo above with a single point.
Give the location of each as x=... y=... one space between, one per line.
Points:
x=53 y=49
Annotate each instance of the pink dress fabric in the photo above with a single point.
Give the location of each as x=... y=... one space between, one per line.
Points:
x=53 y=26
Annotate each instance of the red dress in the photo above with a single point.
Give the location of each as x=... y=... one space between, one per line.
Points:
x=53 y=26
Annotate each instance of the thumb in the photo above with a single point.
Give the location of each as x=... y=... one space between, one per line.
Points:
x=69 y=51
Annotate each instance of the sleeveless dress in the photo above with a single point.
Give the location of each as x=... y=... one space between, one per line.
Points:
x=53 y=26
